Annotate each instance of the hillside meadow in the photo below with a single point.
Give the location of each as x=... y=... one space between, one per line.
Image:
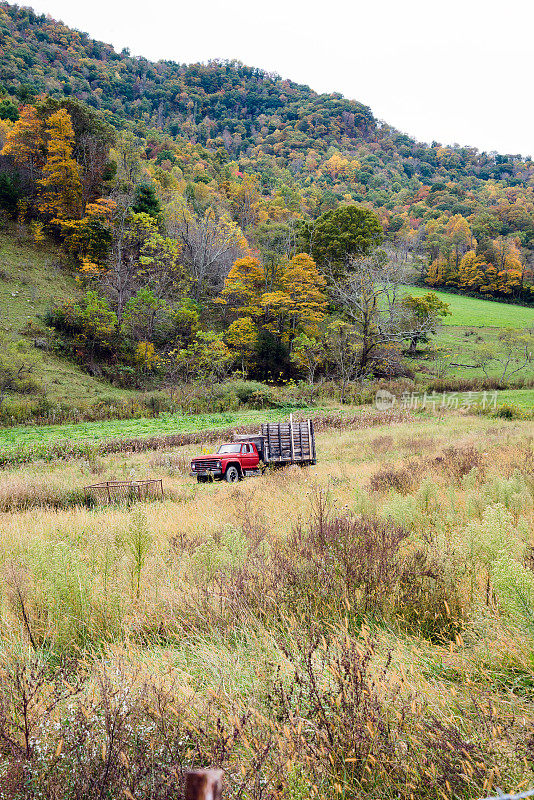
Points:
x=473 y=323
x=362 y=627
x=475 y=312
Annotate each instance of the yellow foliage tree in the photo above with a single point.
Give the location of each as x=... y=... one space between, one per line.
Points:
x=460 y=236
x=25 y=143
x=304 y=285
x=61 y=185
x=298 y=303
x=146 y=357
x=295 y=302
x=470 y=273
x=244 y=286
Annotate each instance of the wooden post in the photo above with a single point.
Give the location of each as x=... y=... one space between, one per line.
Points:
x=203 y=784
x=291 y=435
x=109 y=493
x=310 y=440
x=161 y=484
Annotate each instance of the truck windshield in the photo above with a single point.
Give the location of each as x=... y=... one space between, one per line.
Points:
x=229 y=448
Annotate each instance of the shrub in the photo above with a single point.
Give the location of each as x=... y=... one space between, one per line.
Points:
x=510 y=411
x=111 y=731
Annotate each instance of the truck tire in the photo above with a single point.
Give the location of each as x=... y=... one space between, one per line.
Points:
x=201 y=479
x=232 y=474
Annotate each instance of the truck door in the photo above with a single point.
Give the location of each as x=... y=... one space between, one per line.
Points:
x=249 y=459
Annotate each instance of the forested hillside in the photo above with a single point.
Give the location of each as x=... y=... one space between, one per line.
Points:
x=316 y=150
x=216 y=218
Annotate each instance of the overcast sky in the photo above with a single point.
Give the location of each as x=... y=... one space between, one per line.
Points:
x=459 y=71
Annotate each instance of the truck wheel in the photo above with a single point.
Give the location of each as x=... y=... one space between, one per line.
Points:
x=231 y=475
x=201 y=479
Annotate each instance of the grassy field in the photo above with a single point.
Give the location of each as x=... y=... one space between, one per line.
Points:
x=521 y=398
x=360 y=628
x=473 y=323
x=35 y=441
x=477 y=313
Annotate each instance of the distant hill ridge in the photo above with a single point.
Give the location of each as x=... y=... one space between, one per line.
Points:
x=207 y=101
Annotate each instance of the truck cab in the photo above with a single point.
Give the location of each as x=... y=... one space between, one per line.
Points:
x=231 y=462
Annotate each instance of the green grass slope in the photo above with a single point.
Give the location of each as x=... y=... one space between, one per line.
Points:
x=475 y=312
x=475 y=322
x=31 y=281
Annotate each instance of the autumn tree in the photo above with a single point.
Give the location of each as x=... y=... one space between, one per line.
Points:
x=460 y=237
x=25 y=144
x=211 y=242
x=295 y=302
x=246 y=200
x=93 y=138
x=371 y=299
x=141 y=315
x=305 y=287
x=89 y=239
x=244 y=286
x=242 y=339
x=61 y=188
x=343 y=348
x=126 y=157
x=207 y=359
x=119 y=275
x=160 y=265
x=298 y=301
x=470 y=273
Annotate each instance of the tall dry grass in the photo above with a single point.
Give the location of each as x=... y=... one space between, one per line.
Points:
x=341 y=629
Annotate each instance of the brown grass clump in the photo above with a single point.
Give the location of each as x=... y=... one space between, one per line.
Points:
x=457 y=462
x=403 y=479
x=361 y=734
x=454 y=462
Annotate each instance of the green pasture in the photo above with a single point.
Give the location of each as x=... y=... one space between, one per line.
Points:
x=474 y=312
x=37 y=437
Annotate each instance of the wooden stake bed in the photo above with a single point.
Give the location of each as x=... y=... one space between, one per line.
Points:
x=289 y=442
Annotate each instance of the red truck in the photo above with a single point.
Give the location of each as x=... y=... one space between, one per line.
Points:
x=277 y=444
